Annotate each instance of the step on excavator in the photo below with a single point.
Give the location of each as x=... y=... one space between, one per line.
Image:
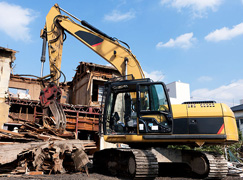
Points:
x=137 y=111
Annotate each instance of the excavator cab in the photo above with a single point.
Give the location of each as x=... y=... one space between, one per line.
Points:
x=136 y=107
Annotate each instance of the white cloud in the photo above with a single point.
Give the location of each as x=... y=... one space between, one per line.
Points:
x=184 y=41
x=117 y=16
x=229 y=94
x=204 y=79
x=198 y=7
x=15 y=21
x=155 y=75
x=225 y=33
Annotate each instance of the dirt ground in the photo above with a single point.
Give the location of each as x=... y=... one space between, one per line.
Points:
x=178 y=173
x=92 y=176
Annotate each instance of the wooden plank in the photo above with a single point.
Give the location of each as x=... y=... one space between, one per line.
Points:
x=10 y=132
x=35 y=173
x=89 y=144
x=46 y=137
x=5 y=143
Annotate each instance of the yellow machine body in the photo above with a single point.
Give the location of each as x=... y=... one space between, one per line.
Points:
x=214 y=119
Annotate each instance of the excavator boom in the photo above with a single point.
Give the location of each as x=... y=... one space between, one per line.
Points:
x=107 y=47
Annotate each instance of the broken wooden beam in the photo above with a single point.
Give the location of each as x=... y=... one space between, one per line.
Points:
x=11 y=133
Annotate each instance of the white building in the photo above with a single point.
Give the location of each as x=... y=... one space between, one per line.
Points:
x=238 y=112
x=179 y=92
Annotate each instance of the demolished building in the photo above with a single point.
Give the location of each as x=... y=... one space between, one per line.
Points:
x=80 y=100
x=88 y=83
x=22 y=119
x=7 y=57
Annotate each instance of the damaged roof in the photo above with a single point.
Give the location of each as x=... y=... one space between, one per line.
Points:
x=6 y=52
x=7 y=49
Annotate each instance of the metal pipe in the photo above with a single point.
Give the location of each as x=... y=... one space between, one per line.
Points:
x=42 y=69
x=225 y=153
x=43 y=54
x=76 y=125
x=126 y=60
x=69 y=14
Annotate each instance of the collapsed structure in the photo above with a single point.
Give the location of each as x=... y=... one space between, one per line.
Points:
x=88 y=83
x=80 y=98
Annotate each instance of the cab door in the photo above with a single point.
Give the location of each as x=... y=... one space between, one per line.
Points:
x=154 y=109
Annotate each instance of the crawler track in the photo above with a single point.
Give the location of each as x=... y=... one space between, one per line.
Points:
x=209 y=165
x=146 y=165
x=217 y=166
x=134 y=163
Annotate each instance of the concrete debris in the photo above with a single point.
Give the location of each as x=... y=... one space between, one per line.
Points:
x=235 y=169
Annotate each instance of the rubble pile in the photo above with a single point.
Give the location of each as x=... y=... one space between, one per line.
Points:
x=35 y=146
x=45 y=157
x=31 y=131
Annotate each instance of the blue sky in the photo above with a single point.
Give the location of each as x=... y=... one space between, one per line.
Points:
x=196 y=42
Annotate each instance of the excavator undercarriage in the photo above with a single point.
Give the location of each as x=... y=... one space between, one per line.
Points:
x=145 y=163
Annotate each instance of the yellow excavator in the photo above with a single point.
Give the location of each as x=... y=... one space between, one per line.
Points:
x=137 y=111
